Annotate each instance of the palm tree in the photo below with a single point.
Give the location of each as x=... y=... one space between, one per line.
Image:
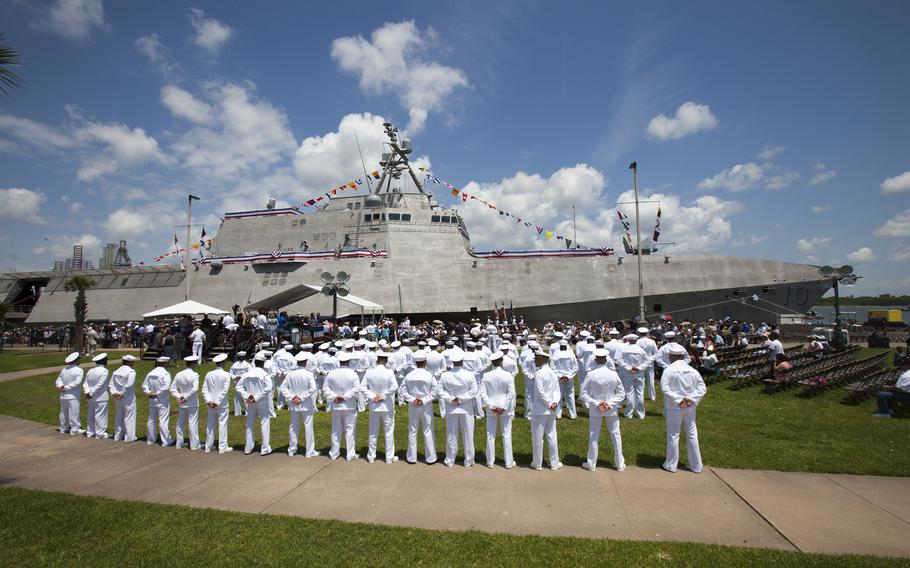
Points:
x=9 y=57
x=79 y=284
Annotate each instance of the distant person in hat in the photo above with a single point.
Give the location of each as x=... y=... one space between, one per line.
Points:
x=215 y=388
x=238 y=369
x=185 y=389
x=417 y=390
x=458 y=388
x=683 y=389
x=543 y=412
x=95 y=390
x=497 y=391
x=197 y=337
x=256 y=389
x=156 y=387
x=69 y=383
x=123 y=389
x=565 y=365
x=632 y=362
x=342 y=391
x=649 y=346
x=379 y=387
x=299 y=390
x=613 y=344
x=603 y=393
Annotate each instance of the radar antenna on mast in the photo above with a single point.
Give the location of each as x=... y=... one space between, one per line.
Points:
x=396 y=160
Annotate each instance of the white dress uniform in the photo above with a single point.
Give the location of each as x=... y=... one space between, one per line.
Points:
x=283 y=362
x=565 y=364
x=613 y=346
x=436 y=363
x=628 y=357
x=650 y=348
x=360 y=362
x=526 y=362
x=663 y=355
x=345 y=384
x=301 y=383
x=198 y=339
x=421 y=385
x=476 y=363
x=70 y=380
x=96 y=387
x=509 y=364
x=680 y=381
x=583 y=354
x=123 y=382
x=325 y=363
x=543 y=419
x=459 y=383
x=380 y=380
x=157 y=386
x=258 y=384
x=603 y=385
x=186 y=385
x=238 y=369
x=497 y=390
x=215 y=389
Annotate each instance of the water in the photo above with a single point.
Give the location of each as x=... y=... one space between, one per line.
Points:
x=858 y=313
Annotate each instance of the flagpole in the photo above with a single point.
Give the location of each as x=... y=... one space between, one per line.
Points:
x=641 y=291
x=189 y=224
x=574 y=230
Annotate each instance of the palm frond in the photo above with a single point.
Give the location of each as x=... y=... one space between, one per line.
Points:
x=9 y=57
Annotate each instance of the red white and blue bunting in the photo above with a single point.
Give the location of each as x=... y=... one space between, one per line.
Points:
x=277 y=256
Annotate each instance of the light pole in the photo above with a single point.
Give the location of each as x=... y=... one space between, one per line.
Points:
x=189 y=224
x=840 y=275
x=641 y=291
x=335 y=285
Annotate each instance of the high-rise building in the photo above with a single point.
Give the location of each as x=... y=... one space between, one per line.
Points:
x=68 y=264
x=59 y=266
x=108 y=255
x=122 y=259
x=88 y=265
x=77 y=257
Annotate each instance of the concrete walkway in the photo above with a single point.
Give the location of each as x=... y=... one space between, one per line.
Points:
x=790 y=511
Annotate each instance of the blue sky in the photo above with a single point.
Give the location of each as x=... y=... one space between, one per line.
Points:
x=774 y=130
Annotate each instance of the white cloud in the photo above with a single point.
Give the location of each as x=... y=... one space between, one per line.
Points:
x=157 y=54
x=768 y=153
x=74 y=19
x=863 y=254
x=900 y=251
x=126 y=222
x=820 y=208
x=62 y=247
x=122 y=147
x=35 y=134
x=741 y=177
x=813 y=244
x=20 y=204
x=751 y=240
x=211 y=34
x=822 y=174
x=690 y=118
x=897 y=226
x=897 y=184
x=184 y=105
x=391 y=61
x=246 y=134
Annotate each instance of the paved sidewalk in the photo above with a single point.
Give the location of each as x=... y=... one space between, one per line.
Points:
x=790 y=511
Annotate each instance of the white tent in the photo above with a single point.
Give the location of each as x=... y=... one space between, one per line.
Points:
x=187 y=308
x=303 y=291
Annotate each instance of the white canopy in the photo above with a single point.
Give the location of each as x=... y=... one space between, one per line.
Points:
x=187 y=308
x=302 y=291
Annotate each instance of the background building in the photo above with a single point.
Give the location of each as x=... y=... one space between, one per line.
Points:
x=108 y=255
x=122 y=258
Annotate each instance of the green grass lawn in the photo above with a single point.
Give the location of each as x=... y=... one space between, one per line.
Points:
x=22 y=359
x=745 y=429
x=54 y=529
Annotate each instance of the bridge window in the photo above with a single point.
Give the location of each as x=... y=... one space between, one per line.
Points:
x=405 y=216
x=446 y=219
x=368 y=217
x=394 y=216
x=454 y=219
x=434 y=219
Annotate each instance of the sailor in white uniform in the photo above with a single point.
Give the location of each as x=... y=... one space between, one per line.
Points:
x=198 y=338
x=650 y=348
x=156 y=387
x=683 y=389
x=123 y=389
x=256 y=390
x=509 y=362
x=475 y=362
x=554 y=343
x=379 y=387
x=359 y=363
x=325 y=362
x=603 y=394
x=418 y=389
x=526 y=362
x=543 y=412
x=299 y=388
x=283 y=362
x=663 y=353
x=69 y=383
x=185 y=389
x=215 y=389
x=458 y=388
x=238 y=369
x=342 y=391
x=565 y=365
x=583 y=353
x=613 y=344
x=95 y=390
x=497 y=390
x=632 y=363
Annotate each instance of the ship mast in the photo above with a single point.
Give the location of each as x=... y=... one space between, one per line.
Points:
x=641 y=290
x=396 y=160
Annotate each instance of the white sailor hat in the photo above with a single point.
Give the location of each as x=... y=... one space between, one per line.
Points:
x=630 y=337
x=496 y=356
x=339 y=343
x=395 y=343
x=284 y=342
x=456 y=357
x=540 y=353
x=71 y=357
x=343 y=356
x=383 y=342
x=220 y=358
x=585 y=333
x=162 y=359
x=642 y=330
x=601 y=352
x=421 y=343
x=559 y=334
x=420 y=356
x=507 y=336
x=563 y=343
x=505 y=346
x=532 y=336
x=371 y=344
x=306 y=346
x=325 y=345
x=267 y=353
x=533 y=344
x=614 y=332
x=670 y=334
x=303 y=356
x=360 y=343
x=260 y=356
x=191 y=359
x=384 y=354
x=599 y=342
x=349 y=344
x=99 y=357
x=450 y=343
x=676 y=349
x=432 y=342
x=362 y=332
x=470 y=344
x=128 y=358
x=241 y=354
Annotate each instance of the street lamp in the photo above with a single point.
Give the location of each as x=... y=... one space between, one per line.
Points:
x=335 y=285
x=840 y=275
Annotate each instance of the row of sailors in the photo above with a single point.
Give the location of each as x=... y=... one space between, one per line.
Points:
x=466 y=385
